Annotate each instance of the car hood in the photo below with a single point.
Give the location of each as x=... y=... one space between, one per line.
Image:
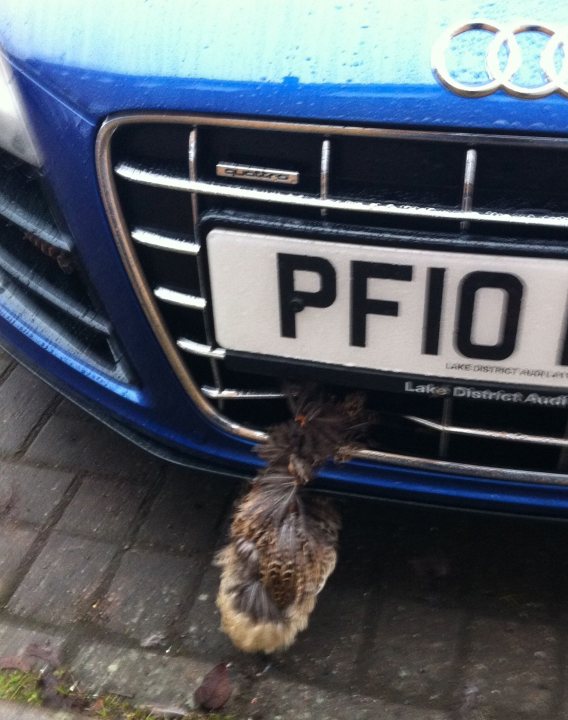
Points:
x=334 y=61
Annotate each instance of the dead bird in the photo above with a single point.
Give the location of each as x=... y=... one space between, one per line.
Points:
x=283 y=541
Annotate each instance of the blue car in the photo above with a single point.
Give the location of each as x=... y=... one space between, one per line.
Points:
x=203 y=199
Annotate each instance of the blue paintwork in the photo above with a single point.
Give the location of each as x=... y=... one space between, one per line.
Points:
x=356 y=62
x=328 y=60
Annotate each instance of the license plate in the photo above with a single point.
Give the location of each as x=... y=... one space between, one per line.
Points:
x=441 y=315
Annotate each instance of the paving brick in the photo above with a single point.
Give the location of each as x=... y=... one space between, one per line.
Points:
x=17 y=711
x=328 y=650
x=279 y=699
x=146 y=594
x=185 y=515
x=30 y=494
x=415 y=650
x=89 y=445
x=62 y=579
x=202 y=635
x=511 y=576
x=14 y=544
x=14 y=640
x=420 y=617
x=71 y=411
x=23 y=400
x=146 y=677
x=104 y=507
x=511 y=669
x=5 y=361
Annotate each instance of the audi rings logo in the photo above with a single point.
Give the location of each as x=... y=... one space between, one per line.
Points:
x=504 y=59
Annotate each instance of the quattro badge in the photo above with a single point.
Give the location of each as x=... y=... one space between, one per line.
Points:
x=262 y=174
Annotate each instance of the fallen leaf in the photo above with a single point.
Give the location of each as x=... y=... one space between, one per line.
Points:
x=45 y=652
x=50 y=686
x=50 y=695
x=215 y=690
x=98 y=706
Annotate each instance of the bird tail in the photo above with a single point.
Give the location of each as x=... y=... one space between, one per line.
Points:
x=271 y=576
x=249 y=615
x=283 y=542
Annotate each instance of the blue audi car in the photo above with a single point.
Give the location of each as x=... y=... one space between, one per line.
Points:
x=203 y=199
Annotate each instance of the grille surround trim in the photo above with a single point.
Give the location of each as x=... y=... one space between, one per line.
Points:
x=126 y=245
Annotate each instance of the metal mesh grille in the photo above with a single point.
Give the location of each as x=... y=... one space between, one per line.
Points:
x=503 y=195
x=41 y=279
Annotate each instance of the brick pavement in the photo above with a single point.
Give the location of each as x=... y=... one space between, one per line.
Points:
x=106 y=552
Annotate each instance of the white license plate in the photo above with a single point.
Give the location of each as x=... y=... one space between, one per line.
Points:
x=414 y=312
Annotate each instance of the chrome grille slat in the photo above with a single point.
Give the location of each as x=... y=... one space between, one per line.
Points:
x=446 y=420
x=160 y=179
x=181 y=299
x=192 y=160
x=195 y=348
x=493 y=434
x=234 y=394
x=468 y=184
x=329 y=201
x=324 y=172
x=162 y=242
x=562 y=464
x=445 y=466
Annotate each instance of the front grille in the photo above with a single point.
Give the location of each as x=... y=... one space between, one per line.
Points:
x=41 y=280
x=450 y=191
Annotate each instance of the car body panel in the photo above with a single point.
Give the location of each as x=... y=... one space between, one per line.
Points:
x=342 y=62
